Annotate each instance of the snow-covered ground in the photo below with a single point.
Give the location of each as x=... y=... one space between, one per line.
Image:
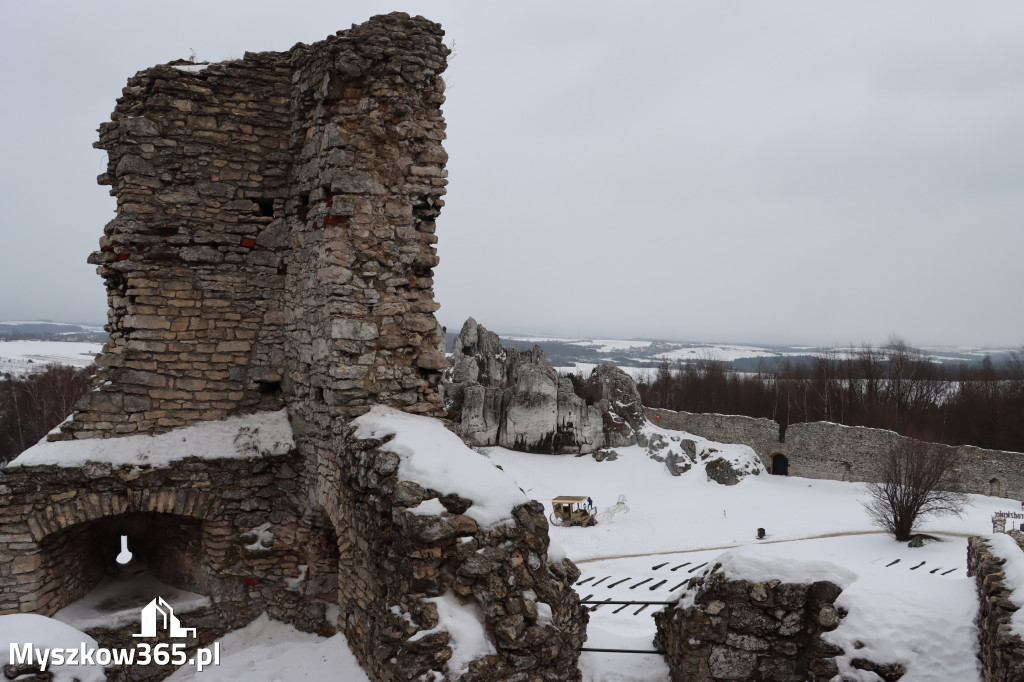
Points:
x=22 y=357
x=912 y=606
x=722 y=352
x=613 y=345
x=269 y=651
x=48 y=634
x=118 y=602
x=671 y=514
x=649 y=352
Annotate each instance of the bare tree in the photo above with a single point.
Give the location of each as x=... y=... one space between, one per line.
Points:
x=917 y=480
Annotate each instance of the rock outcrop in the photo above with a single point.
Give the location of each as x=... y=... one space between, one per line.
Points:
x=725 y=464
x=512 y=398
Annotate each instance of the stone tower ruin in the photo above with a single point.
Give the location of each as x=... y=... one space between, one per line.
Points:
x=271 y=262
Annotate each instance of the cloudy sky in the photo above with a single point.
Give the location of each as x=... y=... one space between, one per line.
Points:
x=804 y=172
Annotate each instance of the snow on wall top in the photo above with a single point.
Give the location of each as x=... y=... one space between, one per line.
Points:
x=436 y=458
x=238 y=437
x=751 y=562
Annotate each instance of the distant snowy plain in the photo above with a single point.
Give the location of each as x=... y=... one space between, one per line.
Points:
x=21 y=357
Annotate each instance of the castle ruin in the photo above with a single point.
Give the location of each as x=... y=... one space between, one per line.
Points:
x=273 y=250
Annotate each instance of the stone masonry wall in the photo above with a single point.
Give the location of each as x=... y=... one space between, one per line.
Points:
x=275 y=222
x=842 y=453
x=189 y=525
x=853 y=453
x=1002 y=653
x=393 y=560
x=741 y=630
x=367 y=183
x=195 y=260
x=762 y=435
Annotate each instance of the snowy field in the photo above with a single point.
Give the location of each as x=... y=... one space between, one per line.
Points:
x=910 y=606
x=613 y=345
x=585 y=368
x=22 y=357
x=913 y=606
x=639 y=352
x=688 y=512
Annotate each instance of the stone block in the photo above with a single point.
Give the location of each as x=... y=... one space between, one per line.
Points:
x=358 y=330
x=26 y=563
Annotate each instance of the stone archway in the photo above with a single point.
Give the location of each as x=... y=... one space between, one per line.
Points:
x=780 y=465
x=320 y=556
x=91 y=507
x=75 y=536
x=178 y=551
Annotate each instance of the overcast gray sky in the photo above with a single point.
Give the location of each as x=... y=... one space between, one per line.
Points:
x=807 y=172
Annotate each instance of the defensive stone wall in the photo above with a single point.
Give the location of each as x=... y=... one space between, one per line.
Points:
x=853 y=453
x=395 y=559
x=195 y=261
x=836 y=452
x=762 y=435
x=1002 y=652
x=842 y=453
x=367 y=183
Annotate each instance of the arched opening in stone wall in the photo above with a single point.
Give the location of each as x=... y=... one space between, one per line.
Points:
x=780 y=465
x=320 y=554
x=995 y=487
x=168 y=560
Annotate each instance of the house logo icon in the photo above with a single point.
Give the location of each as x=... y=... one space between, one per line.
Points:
x=160 y=611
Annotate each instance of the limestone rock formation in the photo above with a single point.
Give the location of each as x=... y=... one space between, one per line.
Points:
x=512 y=398
x=621 y=411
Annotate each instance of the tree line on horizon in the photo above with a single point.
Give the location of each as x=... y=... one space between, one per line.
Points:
x=892 y=386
